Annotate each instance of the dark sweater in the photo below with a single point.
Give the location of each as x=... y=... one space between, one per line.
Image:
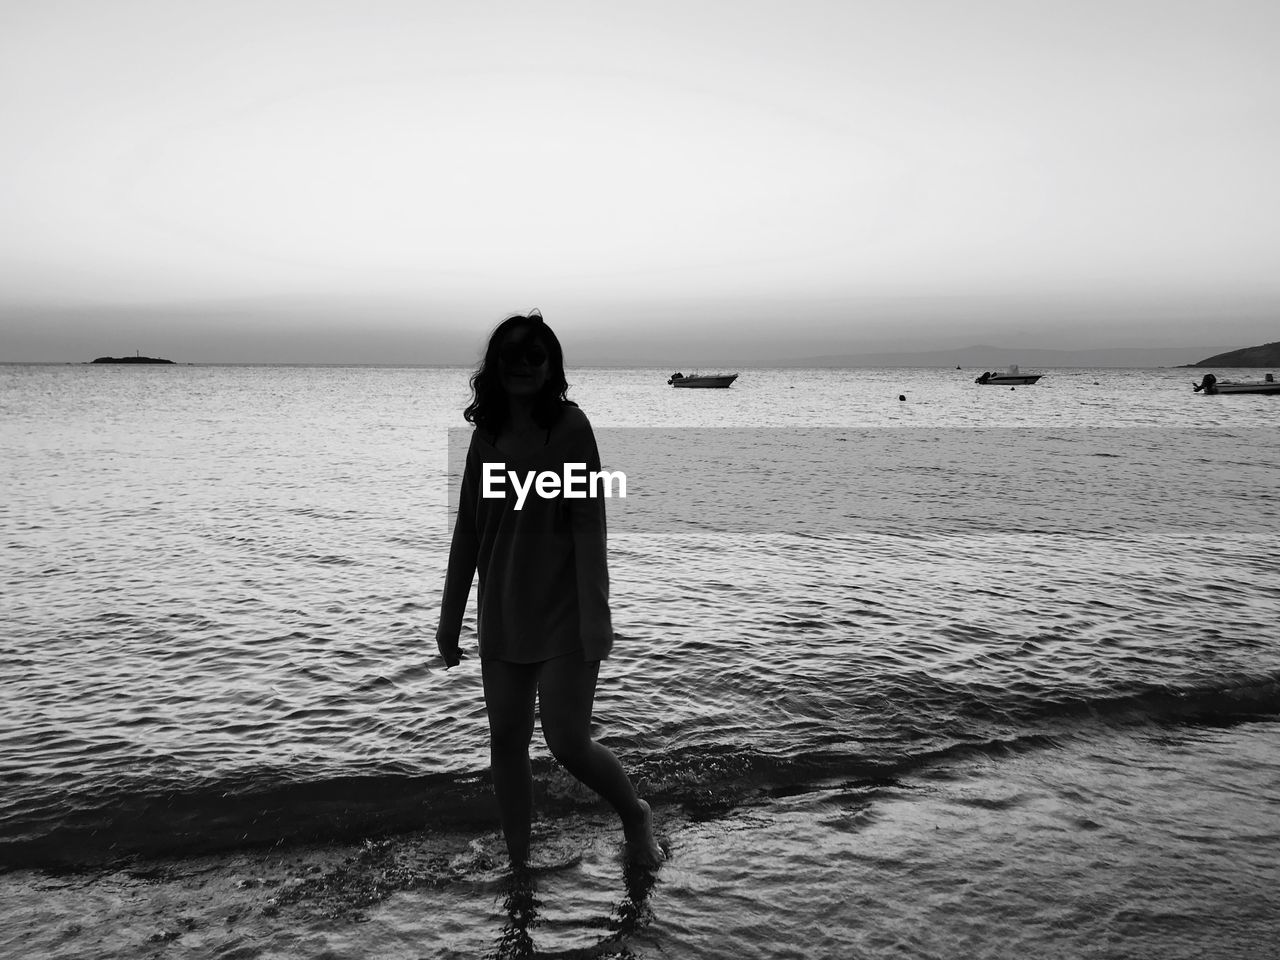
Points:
x=544 y=575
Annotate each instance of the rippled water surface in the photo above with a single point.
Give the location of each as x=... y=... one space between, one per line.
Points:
x=979 y=671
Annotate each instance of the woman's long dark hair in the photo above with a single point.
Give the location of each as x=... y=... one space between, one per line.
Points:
x=488 y=406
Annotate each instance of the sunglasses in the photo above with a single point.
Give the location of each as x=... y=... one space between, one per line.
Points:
x=531 y=352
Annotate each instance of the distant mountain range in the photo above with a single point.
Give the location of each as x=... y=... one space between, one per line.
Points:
x=1266 y=355
x=989 y=357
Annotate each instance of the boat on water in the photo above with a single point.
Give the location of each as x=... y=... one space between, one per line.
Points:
x=720 y=380
x=1011 y=378
x=1210 y=385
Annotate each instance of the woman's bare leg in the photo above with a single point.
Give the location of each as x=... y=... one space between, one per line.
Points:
x=509 y=692
x=566 y=692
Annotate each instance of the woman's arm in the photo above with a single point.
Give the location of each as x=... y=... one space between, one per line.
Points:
x=590 y=551
x=463 y=551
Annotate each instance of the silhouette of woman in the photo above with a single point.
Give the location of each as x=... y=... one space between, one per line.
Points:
x=543 y=601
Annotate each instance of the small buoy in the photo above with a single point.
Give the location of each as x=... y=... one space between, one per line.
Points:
x=902 y=396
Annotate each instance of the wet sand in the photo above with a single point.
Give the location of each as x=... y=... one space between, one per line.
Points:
x=1055 y=852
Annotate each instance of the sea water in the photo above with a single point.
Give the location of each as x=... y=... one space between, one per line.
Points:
x=907 y=666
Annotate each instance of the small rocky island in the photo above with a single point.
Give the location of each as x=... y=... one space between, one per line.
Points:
x=138 y=359
x=1266 y=355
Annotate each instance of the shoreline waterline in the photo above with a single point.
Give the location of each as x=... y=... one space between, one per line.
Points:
x=1067 y=840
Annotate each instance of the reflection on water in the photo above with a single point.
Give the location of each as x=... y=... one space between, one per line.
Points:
x=521 y=908
x=521 y=936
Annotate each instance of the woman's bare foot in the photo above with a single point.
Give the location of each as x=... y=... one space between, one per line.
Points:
x=642 y=847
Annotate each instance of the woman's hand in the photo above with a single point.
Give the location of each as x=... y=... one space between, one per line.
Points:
x=450 y=651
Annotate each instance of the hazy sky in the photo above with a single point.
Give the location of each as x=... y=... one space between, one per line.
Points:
x=383 y=181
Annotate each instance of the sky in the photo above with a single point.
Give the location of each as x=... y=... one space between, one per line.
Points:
x=384 y=180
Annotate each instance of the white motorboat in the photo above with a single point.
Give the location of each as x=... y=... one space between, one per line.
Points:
x=1011 y=378
x=720 y=380
x=1210 y=385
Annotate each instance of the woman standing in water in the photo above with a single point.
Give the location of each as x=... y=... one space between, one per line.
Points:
x=544 y=619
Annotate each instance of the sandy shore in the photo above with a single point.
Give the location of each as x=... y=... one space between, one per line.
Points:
x=1145 y=843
